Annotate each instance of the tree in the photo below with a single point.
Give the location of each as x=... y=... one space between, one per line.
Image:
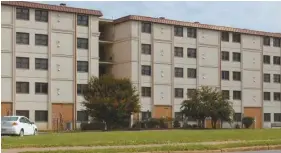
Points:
x=111 y=100
x=208 y=102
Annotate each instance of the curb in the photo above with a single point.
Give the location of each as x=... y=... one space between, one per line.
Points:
x=253 y=148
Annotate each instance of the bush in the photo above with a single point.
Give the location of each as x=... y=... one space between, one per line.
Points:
x=247 y=121
x=92 y=126
x=176 y=124
x=237 y=126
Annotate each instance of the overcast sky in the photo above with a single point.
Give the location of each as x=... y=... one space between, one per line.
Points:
x=264 y=16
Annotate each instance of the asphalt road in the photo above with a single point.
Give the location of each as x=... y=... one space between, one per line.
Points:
x=268 y=151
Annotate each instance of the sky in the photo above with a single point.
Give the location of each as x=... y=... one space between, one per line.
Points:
x=263 y=16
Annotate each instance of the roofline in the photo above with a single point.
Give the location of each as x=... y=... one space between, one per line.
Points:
x=52 y=7
x=195 y=25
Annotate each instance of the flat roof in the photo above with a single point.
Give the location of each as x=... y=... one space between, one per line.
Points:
x=52 y=7
x=195 y=25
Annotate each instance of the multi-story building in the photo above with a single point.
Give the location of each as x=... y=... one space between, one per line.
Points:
x=49 y=52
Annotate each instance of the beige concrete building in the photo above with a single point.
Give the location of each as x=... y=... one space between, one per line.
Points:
x=46 y=61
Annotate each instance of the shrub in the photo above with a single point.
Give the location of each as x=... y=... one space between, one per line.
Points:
x=152 y=123
x=92 y=126
x=176 y=124
x=237 y=126
x=247 y=121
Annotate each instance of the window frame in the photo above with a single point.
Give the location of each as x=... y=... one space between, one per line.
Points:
x=224 y=92
x=146 y=49
x=22 y=113
x=236 y=37
x=20 y=85
x=41 y=64
x=225 y=36
x=276 y=60
x=191 y=53
x=275 y=95
x=146 y=91
x=41 y=40
x=40 y=15
x=225 y=76
x=22 y=63
x=266 y=77
x=178 y=92
x=276 y=78
x=267 y=117
x=224 y=55
x=266 y=41
x=22 y=15
x=276 y=42
x=82 y=66
x=81 y=88
x=82 y=43
x=41 y=86
x=40 y=116
x=179 y=72
x=82 y=20
x=178 y=31
x=178 y=51
x=22 y=38
x=277 y=117
x=234 y=74
x=266 y=59
x=146 y=70
x=236 y=57
x=266 y=96
x=237 y=95
x=146 y=27
x=192 y=73
x=191 y=32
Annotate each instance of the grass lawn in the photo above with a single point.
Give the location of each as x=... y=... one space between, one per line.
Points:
x=170 y=148
x=137 y=137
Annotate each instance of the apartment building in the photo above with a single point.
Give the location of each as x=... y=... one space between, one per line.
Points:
x=49 y=53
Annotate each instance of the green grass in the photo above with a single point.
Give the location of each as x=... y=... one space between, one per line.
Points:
x=170 y=148
x=137 y=137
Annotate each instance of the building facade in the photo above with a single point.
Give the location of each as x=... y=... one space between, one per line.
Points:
x=45 y=63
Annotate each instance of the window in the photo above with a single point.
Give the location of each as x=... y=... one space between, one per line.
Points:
x=266 y=96
x=266 y=117
x=178 y=116
x=225 y=36
x=146 y=49
x=276 y=42
x=178 y=51
x=225 y=56
x=22 y=13
x=266 y=59
x=277 y=117
x=82 y=20
x=236 y=37
x=82 y=66
x=236 y=76
x=41 y=40
x=145 y=115
x=236 y=57
x=146 y=91
x=81 y=88
x=41 y=116
x=178 y=92
x=82 y=43
x=277 y=96
x=146 y=70
x=146 y=27
x=225 y=75
x=178 y=31
x=22 y=113
x=237 y=117
x=225 y=94
x=266 y=77
x=82 y=116
x=191 y=73
x=41 y=64
x=190 y=92
x=191 y=32
x=178 y=72
x=191 y=52
x=266 y=41
x=276 y=78
x=276 y=60
x=236 y=95
x=41 y=88
x=22 y=38
x=41 y=15
x=22 y=87
x=22 y=62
